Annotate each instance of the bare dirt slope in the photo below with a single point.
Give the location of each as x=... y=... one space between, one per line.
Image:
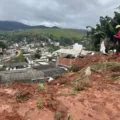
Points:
x=97 y=99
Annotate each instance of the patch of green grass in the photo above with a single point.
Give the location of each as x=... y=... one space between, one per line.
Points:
x=19 y=96
x=22 y=96
x=41 y=87
x=115 y=77
x=108 y=66
x=8 y=84
x=105 y=65
x=56 y=32
x=40 y=103
x=78 y=86
x=19 y=58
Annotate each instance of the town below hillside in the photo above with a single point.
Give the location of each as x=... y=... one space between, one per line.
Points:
x=38 y=52
x=52 y=74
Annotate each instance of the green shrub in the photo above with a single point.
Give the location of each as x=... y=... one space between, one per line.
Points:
x=19 y=58
x=40 y=104
x=74 y=68
x=115 y=77
x=23 y=96
x=78 y=86
x=41 y=86
x=8 y=84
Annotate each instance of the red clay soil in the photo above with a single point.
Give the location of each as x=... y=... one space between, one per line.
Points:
x=99 y=102
x=88 y=60
x=5 y=115
x=20 y=101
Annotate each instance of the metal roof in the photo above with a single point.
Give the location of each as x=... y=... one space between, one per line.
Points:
x=21 y=75
x=73 y=52
x=15 y=64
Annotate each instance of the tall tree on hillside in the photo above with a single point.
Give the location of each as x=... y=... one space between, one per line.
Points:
x=3 y=45
x=104 y=30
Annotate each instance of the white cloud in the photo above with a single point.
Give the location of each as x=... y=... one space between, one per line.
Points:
x=104 y=2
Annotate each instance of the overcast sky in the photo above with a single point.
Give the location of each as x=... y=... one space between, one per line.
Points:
x=62 y=13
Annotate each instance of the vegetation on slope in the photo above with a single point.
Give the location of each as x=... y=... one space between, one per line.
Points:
x=105 y=30
x=56 y=32
x=19 y=58
x=2 y=45
x=64 y=36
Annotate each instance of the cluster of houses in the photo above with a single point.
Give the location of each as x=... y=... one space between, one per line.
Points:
x=31 y=68
x=47 y=61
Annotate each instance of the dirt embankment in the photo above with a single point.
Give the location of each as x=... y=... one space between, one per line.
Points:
x=73 y=96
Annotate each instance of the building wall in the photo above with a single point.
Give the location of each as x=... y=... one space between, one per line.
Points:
x=67 y=61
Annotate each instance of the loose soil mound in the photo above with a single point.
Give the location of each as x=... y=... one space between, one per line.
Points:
x=10 y=116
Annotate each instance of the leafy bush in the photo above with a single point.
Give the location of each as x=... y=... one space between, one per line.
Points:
x=105 y=30
x=20 y=58
x=3 y=45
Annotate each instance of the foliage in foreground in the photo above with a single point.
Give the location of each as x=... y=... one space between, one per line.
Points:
x=105 y=30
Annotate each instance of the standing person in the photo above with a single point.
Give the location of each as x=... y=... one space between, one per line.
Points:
x=117 y=39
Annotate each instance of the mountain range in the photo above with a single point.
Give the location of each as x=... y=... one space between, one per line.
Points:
x=12 y=25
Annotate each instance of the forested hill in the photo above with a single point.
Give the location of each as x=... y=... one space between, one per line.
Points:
x=15 y=31
x=64 y=36
x=11 y=25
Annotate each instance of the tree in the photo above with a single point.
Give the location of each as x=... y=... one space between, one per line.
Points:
x=3 y=45
x=105 y=30
x=37 y=54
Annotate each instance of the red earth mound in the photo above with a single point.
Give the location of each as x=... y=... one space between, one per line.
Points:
x=59 y=102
